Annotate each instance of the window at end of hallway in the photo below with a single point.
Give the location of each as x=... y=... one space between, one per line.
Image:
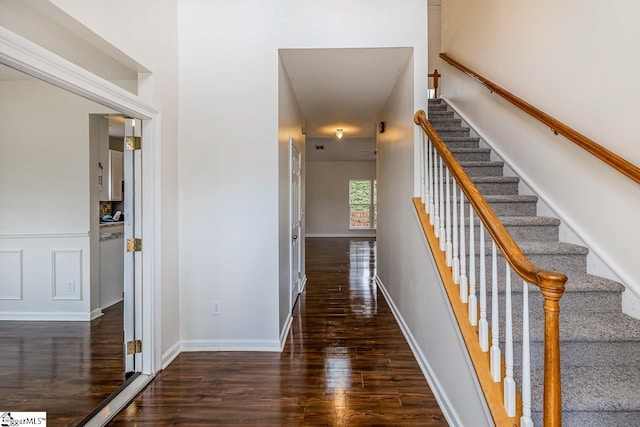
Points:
x=363 y=204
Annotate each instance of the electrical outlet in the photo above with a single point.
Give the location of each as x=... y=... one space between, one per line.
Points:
x=71 y=286
x=216 y=307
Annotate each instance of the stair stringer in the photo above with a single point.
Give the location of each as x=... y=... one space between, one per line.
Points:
x=598 y=263
x=490 y=391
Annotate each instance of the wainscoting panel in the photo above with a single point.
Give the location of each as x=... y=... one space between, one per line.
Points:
x=46 y=276
x=66 y=274
x=11 y=274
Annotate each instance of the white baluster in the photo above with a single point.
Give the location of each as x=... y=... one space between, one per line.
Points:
x=448 y=245
x=455 y=261
x=464 y=290
x=473 y=299
x=495 y=317
x=436 y=208
x=483 y=327
x=431 y=182
x=423 y=166
x=442 y=234
x=426 y=173
x=525 y=420
x=509 y=382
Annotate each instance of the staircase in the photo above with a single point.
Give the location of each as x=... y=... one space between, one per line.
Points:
x=600 y=346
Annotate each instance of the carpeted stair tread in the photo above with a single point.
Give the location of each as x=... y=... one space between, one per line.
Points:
x=529 y=220
x=528 y=228
x=444 y=121
x=599 y=419
x=490 y=179
x=465 y=150
x=585 y=353
x=552 y=248
x=445 y=131
x=471 y=154
x=460 y=141
x=482 y=163
x=576 y=283
x=510 y=198
x=596 y=388
x=584 y=326
x=561 y=257
x=496 y=184
x=437 y=107
x=583 y=292
x=522 y=221
x=435 y=116
x=449 y=126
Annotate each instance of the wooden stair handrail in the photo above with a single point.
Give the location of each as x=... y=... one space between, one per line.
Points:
x=504 y=241
x=551 y=283
x=620 y=164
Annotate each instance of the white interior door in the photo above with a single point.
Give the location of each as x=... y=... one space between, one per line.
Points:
x=296 y=220
x=133 y=258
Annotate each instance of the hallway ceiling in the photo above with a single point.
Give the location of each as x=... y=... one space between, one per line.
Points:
x=335 y=88
x=343 y=88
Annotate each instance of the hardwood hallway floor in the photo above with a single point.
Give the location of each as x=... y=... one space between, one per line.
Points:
x=345 y=362
x=63 y=368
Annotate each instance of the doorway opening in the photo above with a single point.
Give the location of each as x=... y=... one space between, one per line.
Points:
x=57 y=229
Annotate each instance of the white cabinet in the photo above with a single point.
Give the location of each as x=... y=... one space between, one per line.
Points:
x=115 y=175
x=111 y=264
x=112 y=176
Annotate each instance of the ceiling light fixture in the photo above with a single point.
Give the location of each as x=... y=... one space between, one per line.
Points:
x=339 y=133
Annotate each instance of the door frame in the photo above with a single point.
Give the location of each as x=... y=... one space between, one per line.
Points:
x=293 y=147
x=23 y=55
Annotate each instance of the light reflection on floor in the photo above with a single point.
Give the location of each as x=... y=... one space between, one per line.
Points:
x=362 y=274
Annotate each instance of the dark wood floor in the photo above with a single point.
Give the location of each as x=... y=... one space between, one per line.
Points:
x=63 y=368
x=345 y=363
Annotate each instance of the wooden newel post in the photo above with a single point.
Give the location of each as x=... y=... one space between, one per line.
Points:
x=552 y=288
x=435 y=76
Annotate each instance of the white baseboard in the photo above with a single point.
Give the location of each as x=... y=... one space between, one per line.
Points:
x=112 y=303
x=169 y=355
x=285 y=331
x=342 y=235
x=448 y=410
x=96 y=313
x=224 y=345
x=50 y=317
x=304 y=284
x=230 y=345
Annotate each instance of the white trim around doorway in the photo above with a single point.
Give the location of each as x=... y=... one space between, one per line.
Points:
x=23 y=55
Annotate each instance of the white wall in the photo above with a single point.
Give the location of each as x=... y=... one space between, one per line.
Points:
x=45 y=220
x=289 y=125
x=327 y=204
x=146 y=30
x=435 y=7
x=228 y=153
x=572 y=62
x=405 y=265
